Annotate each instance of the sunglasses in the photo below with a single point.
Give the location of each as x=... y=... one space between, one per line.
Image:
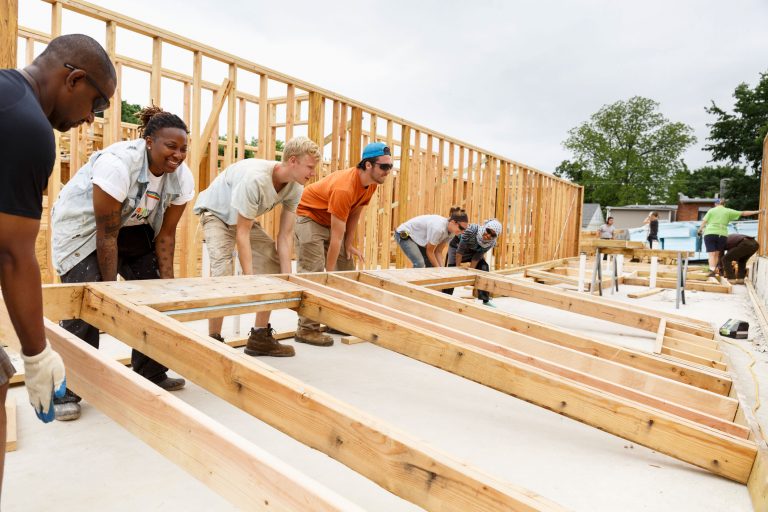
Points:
x=99 y=104
x=490 y=232
x=384 y=167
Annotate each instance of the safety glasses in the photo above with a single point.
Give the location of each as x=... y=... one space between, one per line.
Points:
x=384 y=167
x=99 y=104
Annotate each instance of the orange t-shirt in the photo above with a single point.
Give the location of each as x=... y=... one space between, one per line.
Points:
x=338 y=193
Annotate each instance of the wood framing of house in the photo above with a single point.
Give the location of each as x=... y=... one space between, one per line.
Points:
x=676 y=400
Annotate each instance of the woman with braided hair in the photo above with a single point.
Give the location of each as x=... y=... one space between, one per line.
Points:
x=118 y=215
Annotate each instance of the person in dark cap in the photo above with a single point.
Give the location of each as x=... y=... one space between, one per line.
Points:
x=738 y=249
x=327 y=217
x=63 y=87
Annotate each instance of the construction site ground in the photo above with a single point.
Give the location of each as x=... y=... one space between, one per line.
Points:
x=93 y=464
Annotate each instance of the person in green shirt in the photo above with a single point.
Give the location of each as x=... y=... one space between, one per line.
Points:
x=715 y=230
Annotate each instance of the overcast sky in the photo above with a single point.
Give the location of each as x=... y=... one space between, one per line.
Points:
x=512 y=77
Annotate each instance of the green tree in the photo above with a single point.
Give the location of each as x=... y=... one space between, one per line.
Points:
x=743 y=192
x=627 y=153
x=738 y=137
x=705 y=181
x=129 y=112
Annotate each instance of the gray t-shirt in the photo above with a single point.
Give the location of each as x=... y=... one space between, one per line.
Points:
x=246 y=188
x=606 y=231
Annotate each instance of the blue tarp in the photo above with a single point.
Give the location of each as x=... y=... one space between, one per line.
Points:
x=681 y=236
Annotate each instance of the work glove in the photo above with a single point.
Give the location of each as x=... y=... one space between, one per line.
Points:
x=44 y=378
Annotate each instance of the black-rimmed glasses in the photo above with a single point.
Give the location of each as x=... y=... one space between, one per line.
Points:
x=384 y=167
x=99 y=105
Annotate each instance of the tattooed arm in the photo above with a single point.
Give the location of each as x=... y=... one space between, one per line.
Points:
x=165 y=242
x=107 y=211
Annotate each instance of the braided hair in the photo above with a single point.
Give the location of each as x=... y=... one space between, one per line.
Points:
x=154 y=118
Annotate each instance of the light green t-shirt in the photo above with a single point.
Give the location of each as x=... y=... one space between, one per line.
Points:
x=717 y=220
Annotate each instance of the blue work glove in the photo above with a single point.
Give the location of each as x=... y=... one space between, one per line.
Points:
x=44 y=378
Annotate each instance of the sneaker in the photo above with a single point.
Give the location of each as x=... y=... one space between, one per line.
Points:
x=489 y=304
x=217 y=337
x=67 y=411
x=262 y=342
x=312 y=337
x=171 y=384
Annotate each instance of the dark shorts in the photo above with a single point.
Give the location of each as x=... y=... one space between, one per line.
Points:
x=6 y=368
x=715 y=243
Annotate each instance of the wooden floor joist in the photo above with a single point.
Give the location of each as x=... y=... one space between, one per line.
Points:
x=597 y=307
x=679 y=408
x=709 y=379
x=601 y=373
x=227 y=463
x=394 y=460
x=721 y=453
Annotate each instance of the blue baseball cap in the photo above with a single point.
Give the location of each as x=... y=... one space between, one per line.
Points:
x=375 y=149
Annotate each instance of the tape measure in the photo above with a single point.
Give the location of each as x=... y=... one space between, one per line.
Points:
x=738 y=329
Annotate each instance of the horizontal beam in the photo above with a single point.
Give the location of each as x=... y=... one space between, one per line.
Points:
x=227 y=463
x=392 y=459
x=716 y=382
x=685 y=401
x=718 y=452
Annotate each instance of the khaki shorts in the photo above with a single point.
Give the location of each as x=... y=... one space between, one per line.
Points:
x=6 y=368
x=220 y=241
x=311 y=240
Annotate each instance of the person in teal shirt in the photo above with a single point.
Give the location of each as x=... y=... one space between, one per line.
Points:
x=715 y=230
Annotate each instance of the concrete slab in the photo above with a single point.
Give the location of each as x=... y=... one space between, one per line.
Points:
x=93 y=464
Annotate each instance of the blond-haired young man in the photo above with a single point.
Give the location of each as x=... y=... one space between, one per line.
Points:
x=229 y=208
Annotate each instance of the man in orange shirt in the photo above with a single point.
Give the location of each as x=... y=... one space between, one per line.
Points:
x=327 y=219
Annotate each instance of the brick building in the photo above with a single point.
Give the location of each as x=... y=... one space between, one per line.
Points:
x=693 y=208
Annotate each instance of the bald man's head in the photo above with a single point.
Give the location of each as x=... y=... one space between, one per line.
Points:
x=77 y=77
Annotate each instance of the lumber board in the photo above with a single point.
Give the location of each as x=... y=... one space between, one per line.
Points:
x=584 y=305
x=718 y=452
x=693 y=348
x=672 y=283
x=714 y=381
x=597 y=307
x=352 y=340
x=11 y=431
x=175 y=294
x=693 y=358
x=659 y=343
x=646 y=293
x=229 y=464
x=691 y=338
x=679 y=399
x=397 y=462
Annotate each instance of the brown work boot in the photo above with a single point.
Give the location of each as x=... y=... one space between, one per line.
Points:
x=312 y=337
x=261 y=342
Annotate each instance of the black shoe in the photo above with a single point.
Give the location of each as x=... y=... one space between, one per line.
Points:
x=217 y=337
x=171 y=384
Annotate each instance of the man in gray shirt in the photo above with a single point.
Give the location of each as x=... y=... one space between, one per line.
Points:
x=229 y=207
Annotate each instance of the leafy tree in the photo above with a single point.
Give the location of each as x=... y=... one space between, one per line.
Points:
x=627 y=153
x=129 y=112
x=743 y=192
x=705 y=181
x=738 y=137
